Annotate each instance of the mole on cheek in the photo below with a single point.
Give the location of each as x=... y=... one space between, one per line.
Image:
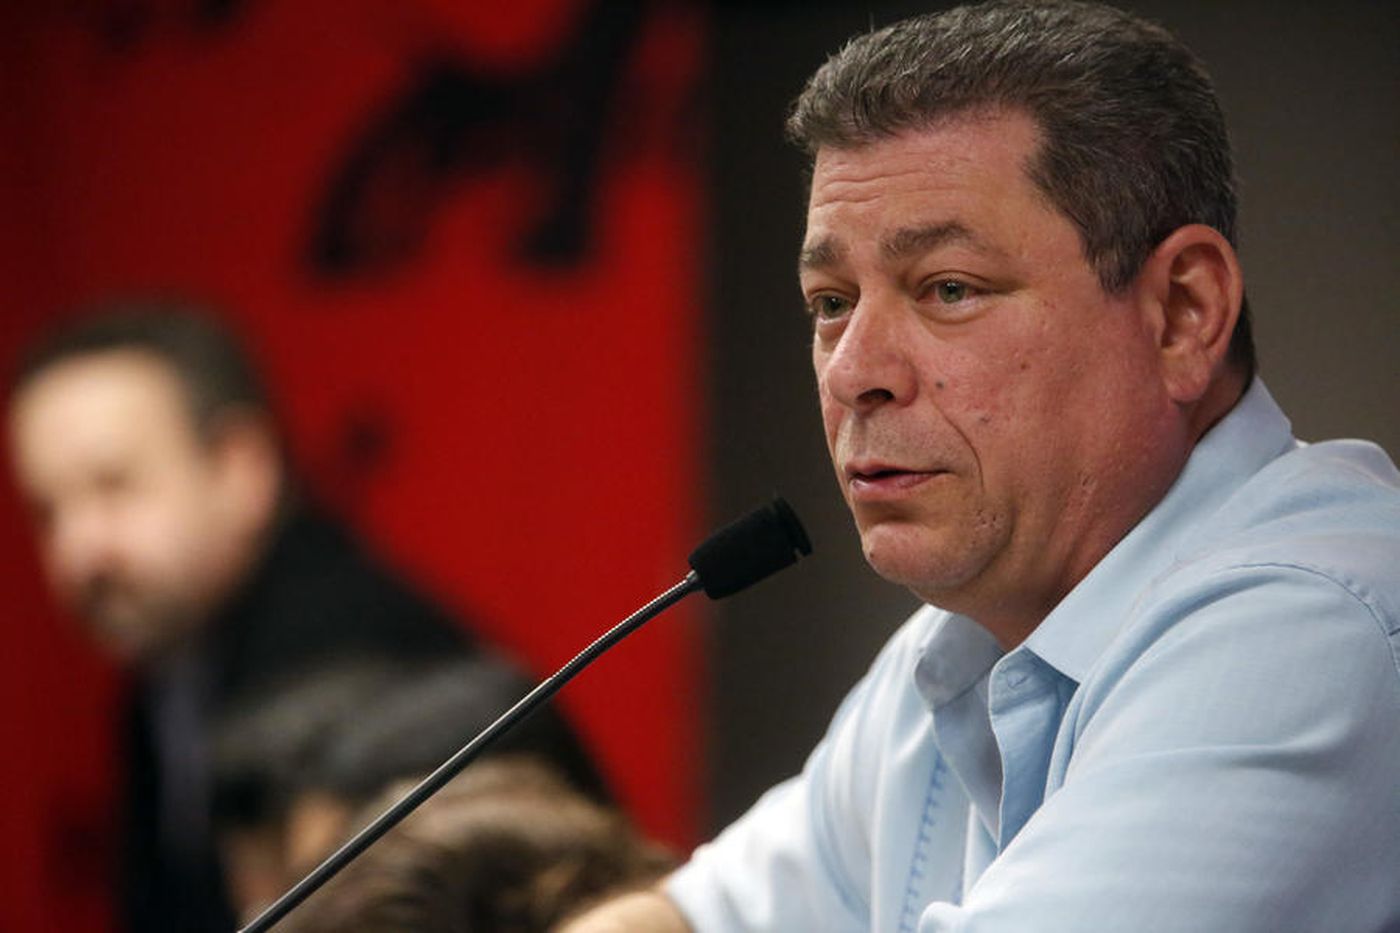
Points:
x=938 y=384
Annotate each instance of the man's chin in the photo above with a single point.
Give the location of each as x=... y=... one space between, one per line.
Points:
x=121 y=645
x=918 y=558
x=128 y=637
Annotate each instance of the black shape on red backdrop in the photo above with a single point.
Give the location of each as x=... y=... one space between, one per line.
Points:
x=453 y=122
x=122 y=25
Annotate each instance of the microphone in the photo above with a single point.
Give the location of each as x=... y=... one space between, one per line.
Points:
x=737 y=556
x=749 y=549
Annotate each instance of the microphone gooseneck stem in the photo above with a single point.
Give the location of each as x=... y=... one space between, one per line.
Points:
x=450 y=768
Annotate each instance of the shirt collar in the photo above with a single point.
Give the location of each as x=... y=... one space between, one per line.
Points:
x=955 y=654
x=1076 y=632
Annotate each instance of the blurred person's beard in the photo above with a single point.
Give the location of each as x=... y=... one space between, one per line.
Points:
x=130 y=622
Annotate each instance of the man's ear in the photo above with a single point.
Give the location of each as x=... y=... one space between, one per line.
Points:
x=1194 y=284
x=244 y=444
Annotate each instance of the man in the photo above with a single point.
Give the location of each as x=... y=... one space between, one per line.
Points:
x=1155 y=686
x=169 y=523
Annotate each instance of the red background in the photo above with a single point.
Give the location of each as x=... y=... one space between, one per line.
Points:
x=537 y=455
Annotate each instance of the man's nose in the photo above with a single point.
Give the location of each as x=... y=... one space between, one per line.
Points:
x=871 y=363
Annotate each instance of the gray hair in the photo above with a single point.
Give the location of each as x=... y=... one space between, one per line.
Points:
x=1135 y=143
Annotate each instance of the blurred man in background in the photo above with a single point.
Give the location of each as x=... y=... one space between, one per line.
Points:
x=169 y=522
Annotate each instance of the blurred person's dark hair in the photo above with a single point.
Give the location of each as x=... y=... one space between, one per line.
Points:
x=429 y=716
x=267 y=745
x=212 y=365
x=263 y=749
x=506 y=847
x=1134 y=140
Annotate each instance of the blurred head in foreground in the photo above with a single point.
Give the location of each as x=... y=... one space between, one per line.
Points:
x=506 y=847
x=263 y=755
x=294 y=767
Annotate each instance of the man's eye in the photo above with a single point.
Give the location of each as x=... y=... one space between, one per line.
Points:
x=950 y=291
x=823 y=307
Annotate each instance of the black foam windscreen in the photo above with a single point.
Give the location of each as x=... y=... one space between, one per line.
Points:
x=749 y=549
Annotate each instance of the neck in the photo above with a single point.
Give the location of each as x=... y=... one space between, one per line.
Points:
x=1220 y=397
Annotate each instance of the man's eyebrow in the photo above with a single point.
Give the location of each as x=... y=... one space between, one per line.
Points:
x=910 y=241
x=820 y=255
x=901 y=244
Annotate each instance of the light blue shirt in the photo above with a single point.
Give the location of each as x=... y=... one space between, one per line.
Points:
x=1204 y=735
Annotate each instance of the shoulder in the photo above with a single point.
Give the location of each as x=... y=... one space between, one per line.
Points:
x=319 y=595
x=1325 y=517
x=320 y=573
x=1290 y=590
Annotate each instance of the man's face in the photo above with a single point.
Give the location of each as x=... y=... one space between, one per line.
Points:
x=130 y=506
x=994 y=417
